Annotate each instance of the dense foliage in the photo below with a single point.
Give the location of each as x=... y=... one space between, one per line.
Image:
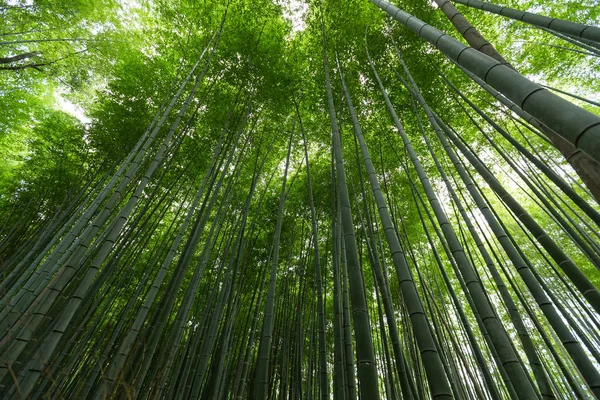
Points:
x=214 y=199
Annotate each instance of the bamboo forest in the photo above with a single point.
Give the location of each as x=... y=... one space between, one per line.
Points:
x=300 y=199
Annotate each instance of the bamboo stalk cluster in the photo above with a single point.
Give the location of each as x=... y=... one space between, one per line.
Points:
x=146 y=285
